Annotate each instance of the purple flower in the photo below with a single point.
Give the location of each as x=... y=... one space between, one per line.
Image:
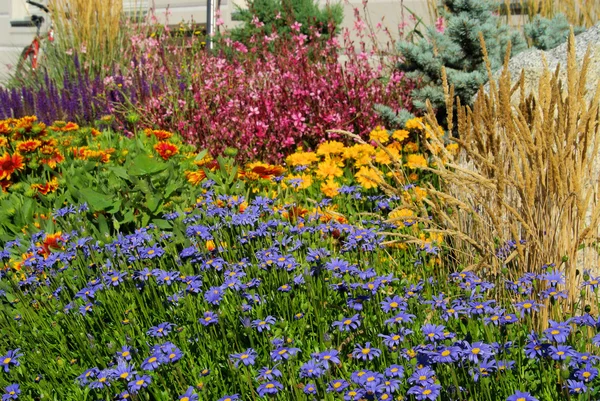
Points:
x=10 y=359
x=267 y=373
x=400 y=318
x=447 y=354
x=125 y=353
x=162 y=330
x=312 y=369
x=189 y=395
x=214 y=295
x=269 y=388
x=234 y=397
x=262 y=325
x=138 y=383
x=395 y=371
x=587 y=373
x=151 y=363
x=426 y=392
x=247 y=358
x=527 y=306
x=366 y=353
x=329 y=356
x=88 y=374
x=390 y=304
x=576 y=387
x=11 y=392
x=283 y=353
x=423 y=377
x=337 y=385
x=433 y=332
x=310 y=388
x=521 y=396
x=557 y=332
x=123 y=371
x=477 y=351
x=561 y=352
x=151 y=252
x=209 y=318
x=348 y=323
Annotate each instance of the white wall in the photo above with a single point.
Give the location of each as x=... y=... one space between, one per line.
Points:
x=13 y=40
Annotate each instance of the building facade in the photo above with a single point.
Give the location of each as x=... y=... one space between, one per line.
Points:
x=14 y=36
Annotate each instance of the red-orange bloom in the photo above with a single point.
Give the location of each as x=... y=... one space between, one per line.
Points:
x=46 y=188
x=258 y=170
x=161 y=135
x=29 y=145
x=53 y=161
x=166 y=149
x=51 y=241
x=9 y=164
x=4 y=184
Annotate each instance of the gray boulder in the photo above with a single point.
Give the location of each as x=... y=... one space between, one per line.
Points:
x=531 y=62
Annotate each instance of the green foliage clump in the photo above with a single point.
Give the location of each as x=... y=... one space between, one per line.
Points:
x=546 y=34
x=263 y=17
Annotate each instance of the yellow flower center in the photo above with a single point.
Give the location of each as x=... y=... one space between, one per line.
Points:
x=365 y=351
x=124 y=375
x=445 y=353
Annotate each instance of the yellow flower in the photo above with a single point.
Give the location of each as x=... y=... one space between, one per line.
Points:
x=305 y=181
x=379 y=134
x=382 y=157
x=411 y=147
x=402 y=217
x=413 y=177
x=330 y=188
x=368 y=177
x=452 y=148
x=301 y=158
x=400 y=134
x=329 y=169
x=3 y=142
x=361 y=153
x=330 y=147
x=414 y=123
x=416 y=161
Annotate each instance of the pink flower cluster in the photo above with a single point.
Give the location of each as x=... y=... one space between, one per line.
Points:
x=264 y=98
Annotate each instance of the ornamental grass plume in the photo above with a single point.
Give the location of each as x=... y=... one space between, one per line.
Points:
x=521 y=193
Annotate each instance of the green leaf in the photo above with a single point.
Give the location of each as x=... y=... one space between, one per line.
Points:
x=145 y=219
x=120 y=172
x=152 y=202
x=145 y=165
x=162 y=224
x=103 y=225
x=201 y=155
x=96 y=200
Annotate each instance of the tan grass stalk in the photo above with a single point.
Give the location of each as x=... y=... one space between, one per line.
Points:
x=91 y=28
x=527 y=172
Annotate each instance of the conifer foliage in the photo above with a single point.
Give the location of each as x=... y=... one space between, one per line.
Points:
x=457 y=48
x=268 y=16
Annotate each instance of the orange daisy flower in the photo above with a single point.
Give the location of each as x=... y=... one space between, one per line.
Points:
x=46 y=188
x=9 y=164
x=166 y=149
x=28 y=146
